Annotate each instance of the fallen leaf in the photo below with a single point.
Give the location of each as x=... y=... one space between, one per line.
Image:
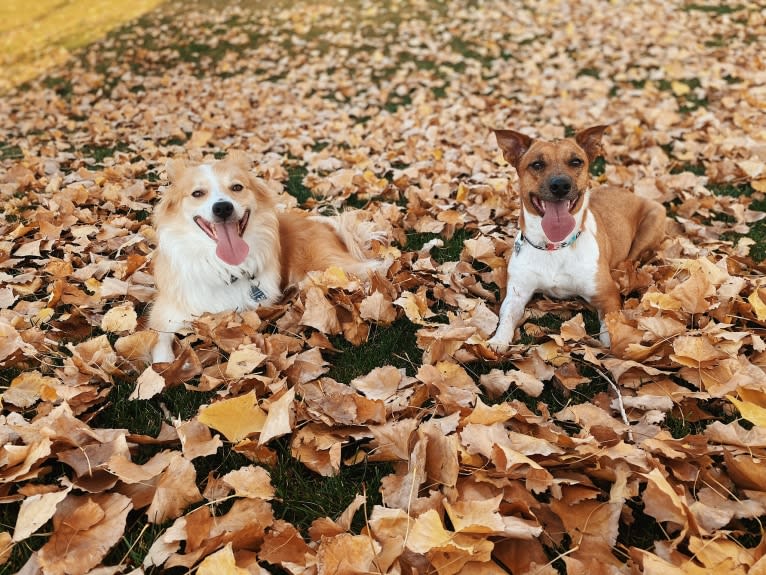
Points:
x=236 y=418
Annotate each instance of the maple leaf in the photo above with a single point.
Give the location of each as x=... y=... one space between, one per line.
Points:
x=236 y=418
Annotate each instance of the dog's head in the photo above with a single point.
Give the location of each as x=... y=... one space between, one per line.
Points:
x=553 y=175
x=216 y=200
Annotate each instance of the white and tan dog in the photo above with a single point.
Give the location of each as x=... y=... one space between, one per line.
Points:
x=222 y=245
x=570 y=237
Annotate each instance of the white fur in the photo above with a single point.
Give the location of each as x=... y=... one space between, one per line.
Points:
x=567 y=272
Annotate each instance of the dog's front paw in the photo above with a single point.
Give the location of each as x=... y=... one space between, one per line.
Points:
x=604 y=338
x=498 y=344
x=162 y=354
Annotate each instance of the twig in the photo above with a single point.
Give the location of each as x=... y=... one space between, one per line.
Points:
x=620 y=403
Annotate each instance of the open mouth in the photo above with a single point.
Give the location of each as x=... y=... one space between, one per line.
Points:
x=542 y=205
x=557 y=221
x=210 y=228
x=230 y=247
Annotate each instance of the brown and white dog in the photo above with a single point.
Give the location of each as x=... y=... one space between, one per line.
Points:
x=570 y=237
x=222 y=245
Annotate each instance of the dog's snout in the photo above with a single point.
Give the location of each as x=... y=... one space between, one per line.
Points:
x=560 y=186
x=223 y=209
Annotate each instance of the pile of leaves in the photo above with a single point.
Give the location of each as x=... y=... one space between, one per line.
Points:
x=559 y=457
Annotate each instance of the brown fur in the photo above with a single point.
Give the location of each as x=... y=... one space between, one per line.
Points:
x=308 y=245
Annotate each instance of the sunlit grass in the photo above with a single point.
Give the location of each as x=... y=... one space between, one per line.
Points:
x=35 y=36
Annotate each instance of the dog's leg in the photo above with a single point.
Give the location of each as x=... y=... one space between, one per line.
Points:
x=165 y=319
x=511 y=312
x=606 y=301
x=163 y=349
x=650 y=231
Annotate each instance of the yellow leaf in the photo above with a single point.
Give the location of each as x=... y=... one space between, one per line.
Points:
x=758 y=306
x=415 y=307
x=679 y=88
x=120 y=318
x=6 y=546
x=462 y=192
x=44 y=315
x=428 y=532
x=93 y=285
x=236 y=418
x=752 y=406
x=660 y=301
x=759 y=185
x=221 y=563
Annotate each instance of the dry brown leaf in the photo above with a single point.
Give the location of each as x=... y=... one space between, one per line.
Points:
x=84 y=529
x=280 y=418
x=35 y=511
x=196 y=439
x=253 y=482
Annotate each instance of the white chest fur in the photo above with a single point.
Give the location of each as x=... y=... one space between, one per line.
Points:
x=566 y=272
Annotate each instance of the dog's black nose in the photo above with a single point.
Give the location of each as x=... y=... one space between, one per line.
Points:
x=223 y=209
x=560 y=186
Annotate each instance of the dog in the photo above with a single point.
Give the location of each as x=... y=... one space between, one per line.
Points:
x=570 y=236
x=223 y=245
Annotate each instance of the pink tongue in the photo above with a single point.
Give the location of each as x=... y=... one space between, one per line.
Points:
x=558 y=223
x=231 y=248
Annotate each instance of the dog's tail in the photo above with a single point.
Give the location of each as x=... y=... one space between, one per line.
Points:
x=357 y=234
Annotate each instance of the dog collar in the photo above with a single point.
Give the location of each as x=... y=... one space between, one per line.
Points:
x=256 y=293
x=548 y=246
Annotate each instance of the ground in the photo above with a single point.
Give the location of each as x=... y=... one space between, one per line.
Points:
x=378 y=434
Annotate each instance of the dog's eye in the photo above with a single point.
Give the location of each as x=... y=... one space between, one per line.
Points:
x=198 y=193
x=237 y=187
x=576 y=162
x=537 y=165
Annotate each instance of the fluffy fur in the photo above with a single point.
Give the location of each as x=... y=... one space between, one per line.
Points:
x=222 y=245
x=613 y=225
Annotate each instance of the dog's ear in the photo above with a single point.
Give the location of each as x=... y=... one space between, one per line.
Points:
x=174 y=167
x=240 y=159
x=514 y=145
x=590 y=141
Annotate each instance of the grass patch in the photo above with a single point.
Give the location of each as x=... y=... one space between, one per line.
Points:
x=598 y=167
x=713 y=8
x=99 y=153
x=757 y=231
x=145 y=416
x=592 y=72
x=10 y=152
x=393 y=345
x=305 y=496
x=294 y=186
x=449 y=252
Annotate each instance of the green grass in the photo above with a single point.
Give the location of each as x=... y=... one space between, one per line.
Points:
x=449 y=252
x=10 y=152
x=718 y=9
x=99 y=153
x=757 y=231
x=294 y=185
x=305 y=496
x=393 y=345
